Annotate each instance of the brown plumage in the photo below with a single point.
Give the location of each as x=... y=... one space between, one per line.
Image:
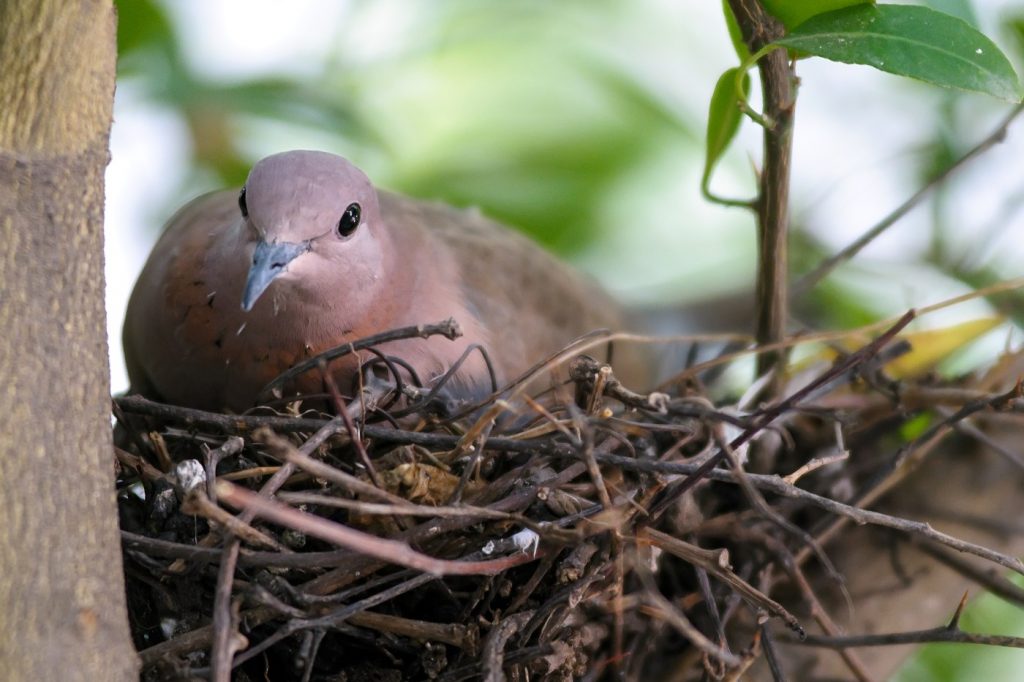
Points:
x=226 y=301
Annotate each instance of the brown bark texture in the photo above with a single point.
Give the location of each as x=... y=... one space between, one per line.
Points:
x=63 y=611
x=779 y=93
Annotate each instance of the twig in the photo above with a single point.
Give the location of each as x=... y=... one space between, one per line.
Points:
x=336 y=618
x=403 y=509
x=909 y=456
x=226 y=639
x=815 y=464
x=493 y=654
x=968 y=429
x=448 y=328
x=950 y=632
x=676 y=489
x=347 y=568
x=517 y=386
x=663 y=608
x=423 y=402
x=778 y=486
x=769 y=652
x=282 y=449
x=384 y=435
x=391 y=551
x=353 y=433
x=677 y=619
x=808 y=281
x=930 y=636
x=456 y=634
x=991 y=579
x=225 y=627
x=232 y=446
x=760 y=29
x=197 y=503
x=716 y=562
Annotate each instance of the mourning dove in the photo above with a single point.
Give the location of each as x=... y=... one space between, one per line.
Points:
x=309 y=256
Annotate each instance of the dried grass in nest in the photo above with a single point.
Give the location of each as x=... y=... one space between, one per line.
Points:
x=610 y=533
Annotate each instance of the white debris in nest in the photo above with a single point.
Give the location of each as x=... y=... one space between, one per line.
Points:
x=527 y=541
x=189 y=474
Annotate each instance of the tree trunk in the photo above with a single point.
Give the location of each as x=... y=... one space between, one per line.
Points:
x=61 y=582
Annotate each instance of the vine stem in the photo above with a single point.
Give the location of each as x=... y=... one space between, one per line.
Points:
x=778 y=85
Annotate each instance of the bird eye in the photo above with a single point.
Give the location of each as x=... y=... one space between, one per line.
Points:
x=349 y=220
x=242 y=205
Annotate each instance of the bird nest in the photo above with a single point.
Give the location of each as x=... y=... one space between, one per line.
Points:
x=600 y=532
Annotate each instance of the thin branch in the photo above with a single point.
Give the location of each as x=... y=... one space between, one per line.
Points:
x=910 y=456
x=778 y=79
x=448 y=328
x=233 y=424
x=777 y=485
x=392 y=551
x=716 y=562
x=675 y=490
x=196 y=503
x=947 y=633
x=807 y=282
x=666 y=610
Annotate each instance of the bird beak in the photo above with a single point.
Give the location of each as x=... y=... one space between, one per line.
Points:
x=268 y=261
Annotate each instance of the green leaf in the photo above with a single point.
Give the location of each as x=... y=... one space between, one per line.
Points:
x=916 y=42
x=723 y=121
x=742 y=51
x=795 y=12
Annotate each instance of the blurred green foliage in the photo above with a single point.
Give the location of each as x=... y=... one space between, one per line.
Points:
x=969 y=662
x=518 y=112
x=150 y=53
x=539 y=113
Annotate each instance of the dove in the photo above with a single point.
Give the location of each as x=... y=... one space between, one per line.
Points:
x=242 y=285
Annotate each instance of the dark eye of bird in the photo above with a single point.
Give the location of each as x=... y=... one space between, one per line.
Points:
x=349 y=220
x=241 y=204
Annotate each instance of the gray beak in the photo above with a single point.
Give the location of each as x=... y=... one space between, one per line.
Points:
x=268 y=261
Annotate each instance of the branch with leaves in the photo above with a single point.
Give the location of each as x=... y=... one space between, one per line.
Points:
x=914 y=42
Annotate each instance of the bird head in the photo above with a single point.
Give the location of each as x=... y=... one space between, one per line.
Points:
x=313 y=219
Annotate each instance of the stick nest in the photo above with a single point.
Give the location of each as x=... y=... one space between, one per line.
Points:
x=592 y=531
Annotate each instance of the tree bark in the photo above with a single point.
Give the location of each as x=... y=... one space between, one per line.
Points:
x=61 y=583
